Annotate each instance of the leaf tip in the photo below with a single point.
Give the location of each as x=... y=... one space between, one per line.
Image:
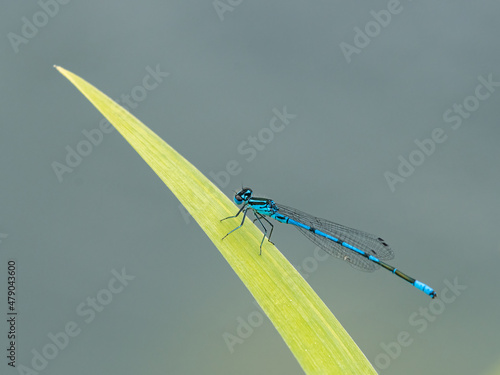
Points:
x=60 y=69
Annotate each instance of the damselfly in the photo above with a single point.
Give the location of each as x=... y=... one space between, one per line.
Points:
x=362 y=250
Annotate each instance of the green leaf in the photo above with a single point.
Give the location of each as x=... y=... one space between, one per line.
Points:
x=313 y=334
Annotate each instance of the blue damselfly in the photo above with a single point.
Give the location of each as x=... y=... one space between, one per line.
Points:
x=362 y=250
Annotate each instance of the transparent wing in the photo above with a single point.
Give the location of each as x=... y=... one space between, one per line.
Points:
x=366 y=242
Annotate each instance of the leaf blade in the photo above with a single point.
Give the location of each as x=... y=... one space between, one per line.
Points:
x=315 y=337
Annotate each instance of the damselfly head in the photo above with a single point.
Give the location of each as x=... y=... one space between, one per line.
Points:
x=243 y=195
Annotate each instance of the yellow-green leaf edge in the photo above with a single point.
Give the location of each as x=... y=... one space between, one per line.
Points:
x=313 y=334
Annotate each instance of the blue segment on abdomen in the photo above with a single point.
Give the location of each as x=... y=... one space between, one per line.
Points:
x=345 y=244
x=315 y=231
x=280 y=218
x=320 y=233
x=291 y=221
x=423 y=287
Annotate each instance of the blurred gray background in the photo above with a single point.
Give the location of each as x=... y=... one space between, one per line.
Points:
x=366 y=81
